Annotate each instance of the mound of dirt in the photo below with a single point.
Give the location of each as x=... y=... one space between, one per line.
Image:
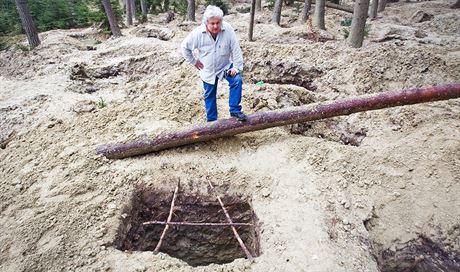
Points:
x=331 y=195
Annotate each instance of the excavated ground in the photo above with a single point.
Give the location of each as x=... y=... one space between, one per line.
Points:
x=196 y=245
x=373 y=191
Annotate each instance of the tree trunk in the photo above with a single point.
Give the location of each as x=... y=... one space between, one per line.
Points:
x=251 y=21
x=382 y=5
x=191 y=10
x=129 y=13
x=111 y=17
x=456 y=5
x=318 y=18
x=277 y=12
x=133 y=9
x=358 y=23
x=263 y=120
x=374 y=8
x=306 y=10
x=259 y=5
x=27 y=23
x=144 y=8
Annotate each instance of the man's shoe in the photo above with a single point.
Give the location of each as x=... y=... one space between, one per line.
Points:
x=239 y=116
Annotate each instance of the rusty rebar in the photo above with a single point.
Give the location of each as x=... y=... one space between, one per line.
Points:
x=157 y=248
x=196 y=224
x=237 y=236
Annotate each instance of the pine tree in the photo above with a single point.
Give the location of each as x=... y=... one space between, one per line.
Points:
x=382 y=4
x=144 y=8
x=27 y=23
x=306 y=10
x=358 y=23
x=191 y=10
x=111 y=17
x=251 y=21
x=374 y=9
x=318 y=17
x=277 y=11
x=129 y=13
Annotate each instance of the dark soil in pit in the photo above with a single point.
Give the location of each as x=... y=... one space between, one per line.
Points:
x=196 y=245
x=419 y=255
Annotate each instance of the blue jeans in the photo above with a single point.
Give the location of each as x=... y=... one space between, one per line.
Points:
x=210 y=91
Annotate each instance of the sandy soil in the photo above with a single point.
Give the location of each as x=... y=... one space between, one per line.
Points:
x=322 y=205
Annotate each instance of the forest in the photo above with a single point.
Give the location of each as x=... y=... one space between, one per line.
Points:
x=65 y=14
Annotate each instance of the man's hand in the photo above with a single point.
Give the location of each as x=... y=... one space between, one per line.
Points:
x=233 y=72
x=199 y=65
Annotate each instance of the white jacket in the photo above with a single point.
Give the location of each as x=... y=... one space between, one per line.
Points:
x=216 y=55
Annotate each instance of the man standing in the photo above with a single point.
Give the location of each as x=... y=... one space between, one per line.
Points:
x=220 y=57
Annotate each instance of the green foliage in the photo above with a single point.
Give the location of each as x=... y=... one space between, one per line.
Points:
x=97 y=13
x=180 y=6
x=24 y=48
x=142 y=19
x=101 y=103
x=346 y=30
x=156 y=5
x=271 y=4
x=298 y=6
x=12 y=41
x=289 y=2
x=47 y=16
x=346 y=21
x=219 y=3
x=9 y=17
x=4 y=45
x=55 y=14
x=367 y=29
x=165 y=5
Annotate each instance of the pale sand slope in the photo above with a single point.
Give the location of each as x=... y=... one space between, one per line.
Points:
x=61 y=204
